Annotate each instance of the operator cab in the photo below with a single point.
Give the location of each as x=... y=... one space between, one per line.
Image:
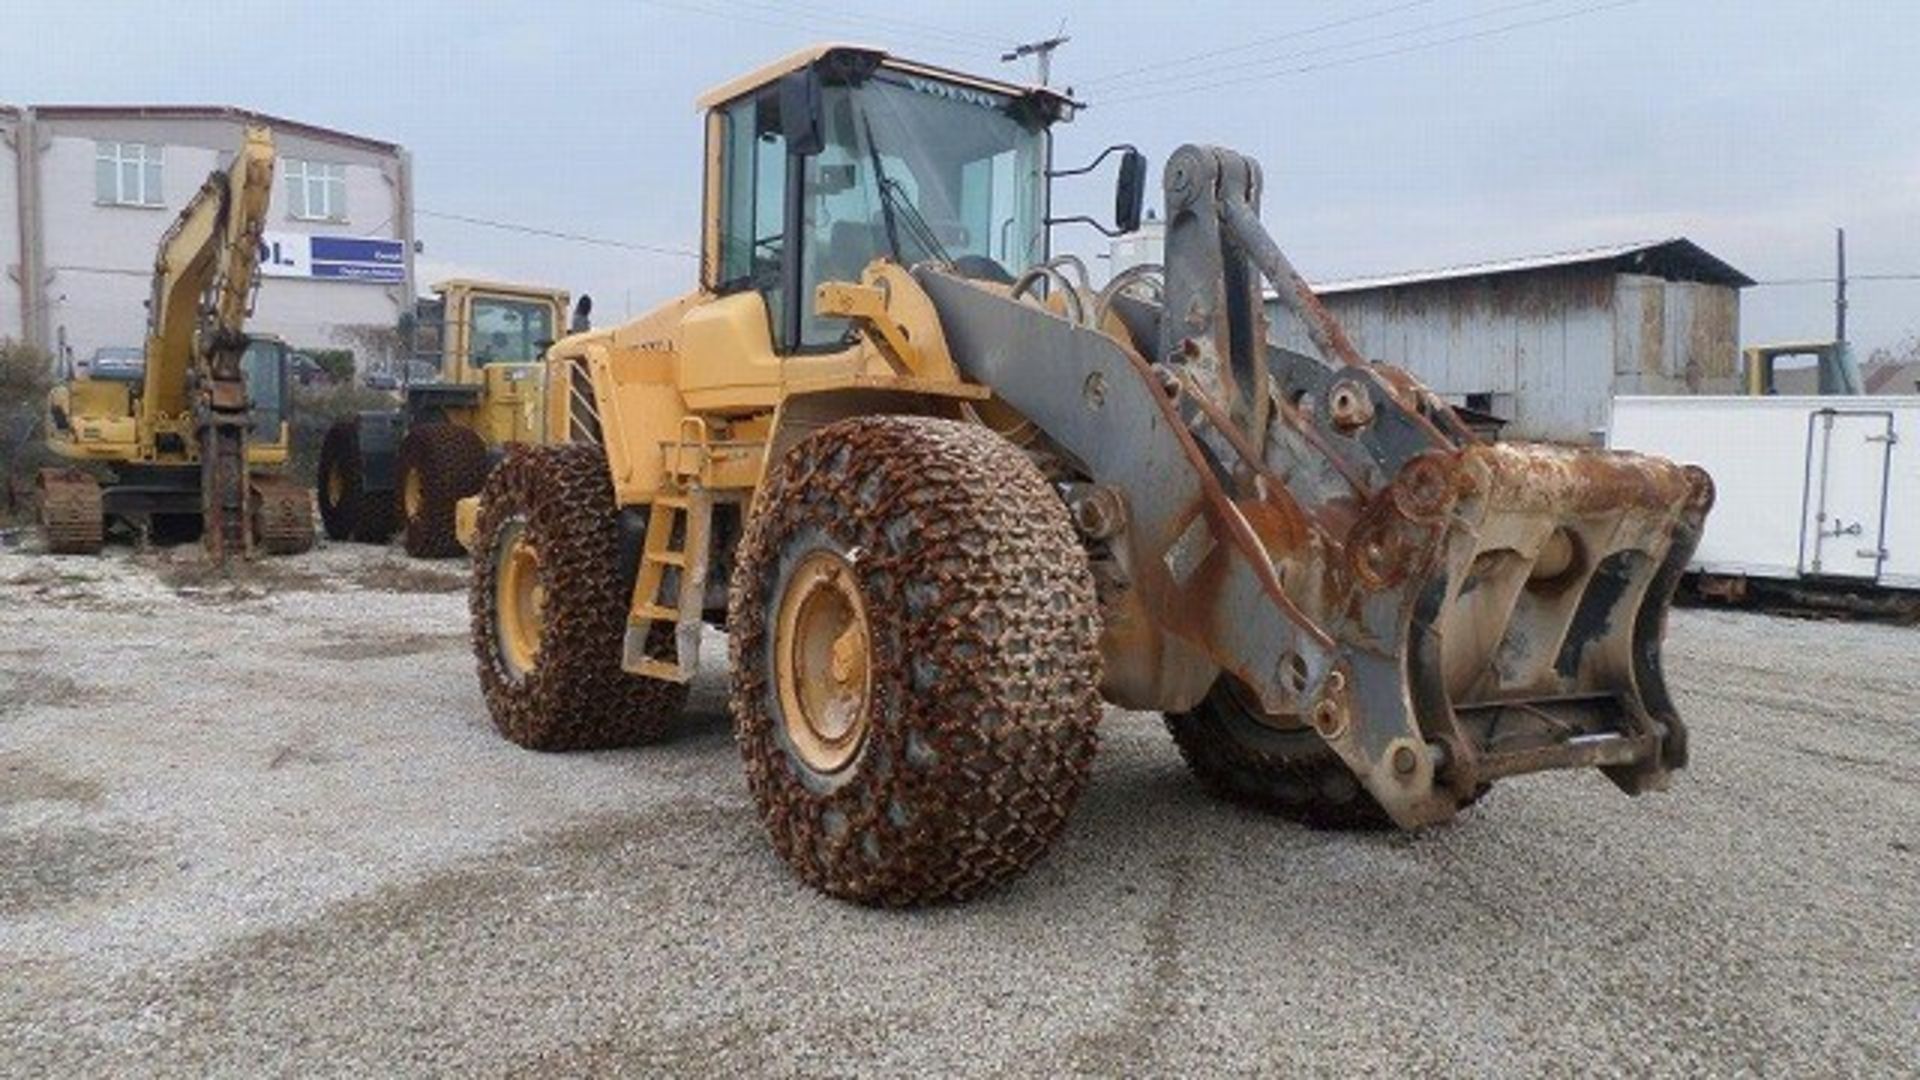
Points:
x=268 y=388
x=838 y=155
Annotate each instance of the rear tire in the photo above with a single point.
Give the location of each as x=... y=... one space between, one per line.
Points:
x=440 y=464
x=550 y=661
x=347 y=510
x=915 y=658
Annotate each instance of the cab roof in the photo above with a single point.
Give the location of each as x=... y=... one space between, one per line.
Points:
x=541 y=292
x=806 y=57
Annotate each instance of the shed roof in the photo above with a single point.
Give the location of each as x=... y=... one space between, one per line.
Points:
x=211 y=112
x=1676 y=259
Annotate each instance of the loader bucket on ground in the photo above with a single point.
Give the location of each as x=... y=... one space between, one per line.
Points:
x=1536 y=587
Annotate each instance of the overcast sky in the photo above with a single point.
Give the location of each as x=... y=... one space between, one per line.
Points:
x=1413 y=135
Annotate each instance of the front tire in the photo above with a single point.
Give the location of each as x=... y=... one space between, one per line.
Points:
x=1288 y=771
x=549 y=607
x=915 y=658
x=440 y=464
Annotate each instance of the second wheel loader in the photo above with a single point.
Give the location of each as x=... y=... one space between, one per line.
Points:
x=945 y=501
x=404 y=469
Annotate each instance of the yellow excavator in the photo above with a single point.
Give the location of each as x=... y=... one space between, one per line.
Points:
x=190 y=429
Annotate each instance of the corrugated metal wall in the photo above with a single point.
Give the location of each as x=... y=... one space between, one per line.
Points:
x=1550 y=347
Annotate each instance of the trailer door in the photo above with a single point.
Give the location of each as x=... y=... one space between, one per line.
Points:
x=1843 y=520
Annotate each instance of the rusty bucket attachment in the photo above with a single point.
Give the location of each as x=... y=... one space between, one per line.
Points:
x=1505 y=615
x=1442 y=611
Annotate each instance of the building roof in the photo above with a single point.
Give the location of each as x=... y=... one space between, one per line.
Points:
x=1893 y=378
x=212 y=112
x=1677 y=259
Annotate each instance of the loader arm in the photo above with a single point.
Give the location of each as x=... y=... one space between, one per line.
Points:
x=1441 y=611
x=194 y=402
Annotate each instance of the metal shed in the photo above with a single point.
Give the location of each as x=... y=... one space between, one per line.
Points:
x=1545 y=343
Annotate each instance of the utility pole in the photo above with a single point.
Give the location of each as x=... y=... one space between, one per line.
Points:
x=1041 y=50
x=1840 y=286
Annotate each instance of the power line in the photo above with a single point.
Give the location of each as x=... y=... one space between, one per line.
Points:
x=1338 y=46
x=1831 y=280
x=1257 y=43
x=556 y=234
x=971 y=38
x=1382 y=54
x=952 y=51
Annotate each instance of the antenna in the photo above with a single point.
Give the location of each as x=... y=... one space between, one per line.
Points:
x=1041 y=50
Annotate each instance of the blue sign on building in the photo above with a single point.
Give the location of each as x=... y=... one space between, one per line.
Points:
x=334 y=258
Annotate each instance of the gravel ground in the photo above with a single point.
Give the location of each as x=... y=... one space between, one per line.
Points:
x=263 y=827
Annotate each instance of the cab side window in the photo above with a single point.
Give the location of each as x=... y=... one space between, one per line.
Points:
x=753 y=202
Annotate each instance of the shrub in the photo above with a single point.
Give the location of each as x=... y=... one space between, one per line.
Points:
x=26 y=374
x=315 y=408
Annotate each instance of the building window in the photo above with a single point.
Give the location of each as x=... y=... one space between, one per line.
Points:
x=126 y=174
x=317 y=190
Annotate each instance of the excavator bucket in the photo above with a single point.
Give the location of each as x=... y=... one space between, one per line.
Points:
x=1442 y=611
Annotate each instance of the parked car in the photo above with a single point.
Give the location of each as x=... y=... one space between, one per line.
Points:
x=114 y=363
x=307 y=371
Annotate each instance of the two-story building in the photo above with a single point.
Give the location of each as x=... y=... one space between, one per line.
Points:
x=87 y=190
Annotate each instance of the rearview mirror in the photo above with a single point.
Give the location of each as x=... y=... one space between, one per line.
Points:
x=1130 y=191
x=800 y=112
x=582 y=315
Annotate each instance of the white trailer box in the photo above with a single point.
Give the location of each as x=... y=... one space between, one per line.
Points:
x=1807 y=488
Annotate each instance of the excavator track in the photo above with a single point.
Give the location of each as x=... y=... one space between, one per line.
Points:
x=282 y=515
x=71 y=516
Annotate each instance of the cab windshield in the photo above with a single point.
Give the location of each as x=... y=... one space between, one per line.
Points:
x=509 y=331
x=911 y=168
x=919 y=169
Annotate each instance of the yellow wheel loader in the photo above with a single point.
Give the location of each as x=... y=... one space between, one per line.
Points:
x=406 y=468
x=191 y=426
x=944 y=501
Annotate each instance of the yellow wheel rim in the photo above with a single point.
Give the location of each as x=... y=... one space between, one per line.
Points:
x=518 y=600
x=822 y=662
x=336 y=487
x=411 y=496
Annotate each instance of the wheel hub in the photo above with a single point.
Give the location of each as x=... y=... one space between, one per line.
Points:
x=336 y=486
x=823 y=662
x=518 y=600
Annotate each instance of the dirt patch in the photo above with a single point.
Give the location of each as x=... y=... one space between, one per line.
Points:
x=24 y=780
x=51 y=583
x=289 y=755
x=381 y=648
x=54 y=867
x=22 y=690
x=189 y=572
x=394 y=575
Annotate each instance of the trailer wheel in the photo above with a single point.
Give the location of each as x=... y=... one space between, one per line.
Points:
x=1289 y=772
x=915 y=658
x=347 y=510
x=549 y=607
x=440 y=464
